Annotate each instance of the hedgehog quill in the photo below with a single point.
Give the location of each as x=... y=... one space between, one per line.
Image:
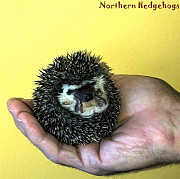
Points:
x=75 y=100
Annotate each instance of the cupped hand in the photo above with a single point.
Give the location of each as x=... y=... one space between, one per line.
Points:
x=147 y=132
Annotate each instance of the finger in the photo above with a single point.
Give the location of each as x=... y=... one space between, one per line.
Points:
x=49 y=145
x=15 y=106
x=28 y=102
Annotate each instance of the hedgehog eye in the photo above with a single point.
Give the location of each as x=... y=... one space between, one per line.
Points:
x=93 y=83
x=69 y=92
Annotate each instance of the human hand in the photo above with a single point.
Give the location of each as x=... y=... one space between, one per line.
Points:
x=147 y=132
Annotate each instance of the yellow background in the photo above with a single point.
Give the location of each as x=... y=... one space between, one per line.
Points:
x=33 y=32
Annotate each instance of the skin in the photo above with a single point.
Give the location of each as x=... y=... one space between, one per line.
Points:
x=147 y=132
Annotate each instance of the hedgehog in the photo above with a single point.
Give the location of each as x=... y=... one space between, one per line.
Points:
x=76 y=100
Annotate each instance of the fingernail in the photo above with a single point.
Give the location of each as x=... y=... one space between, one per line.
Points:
x=29 y=100
x=18 y=98
x=9 y=109
x=11 y=112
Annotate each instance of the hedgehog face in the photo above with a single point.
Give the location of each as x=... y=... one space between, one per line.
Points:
x=85 y=99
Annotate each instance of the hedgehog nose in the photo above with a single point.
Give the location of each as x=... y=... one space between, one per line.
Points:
x=84 y=96
x=88 y=97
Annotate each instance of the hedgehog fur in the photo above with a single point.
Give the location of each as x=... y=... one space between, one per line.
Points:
x=75 y=100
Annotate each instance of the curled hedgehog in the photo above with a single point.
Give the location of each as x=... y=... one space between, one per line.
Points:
x=75 y=100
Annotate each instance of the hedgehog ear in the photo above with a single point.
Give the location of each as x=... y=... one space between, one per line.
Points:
x=58 y=86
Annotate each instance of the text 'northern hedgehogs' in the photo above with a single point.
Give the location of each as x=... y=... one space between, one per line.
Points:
x=75 y=99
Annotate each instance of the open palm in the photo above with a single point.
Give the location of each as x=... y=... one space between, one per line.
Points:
x=146 y=133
